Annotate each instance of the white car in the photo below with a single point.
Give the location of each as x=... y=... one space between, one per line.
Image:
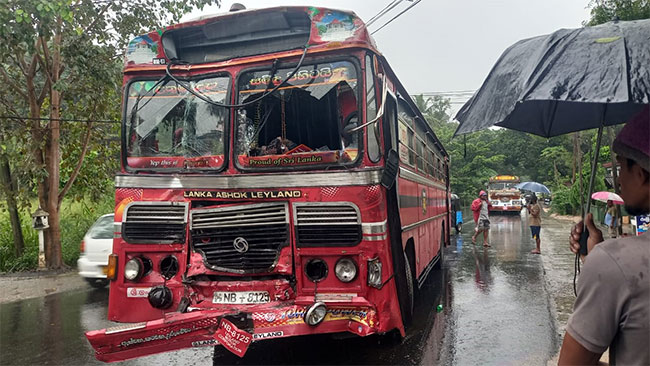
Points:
x=96 y=246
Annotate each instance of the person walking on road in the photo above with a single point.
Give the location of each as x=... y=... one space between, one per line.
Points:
x=481 y=207
x=611 y=219
x=612 y=309
x=535 y=221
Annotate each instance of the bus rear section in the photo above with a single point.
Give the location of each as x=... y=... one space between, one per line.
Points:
x=254 y=200
x=503 y=194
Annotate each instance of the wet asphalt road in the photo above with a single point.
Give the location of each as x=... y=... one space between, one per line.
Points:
x=495 y=312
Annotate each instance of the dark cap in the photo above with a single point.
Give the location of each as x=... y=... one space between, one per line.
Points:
x=633 y=142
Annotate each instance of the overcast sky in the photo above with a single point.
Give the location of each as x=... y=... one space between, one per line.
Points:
x=448 y=45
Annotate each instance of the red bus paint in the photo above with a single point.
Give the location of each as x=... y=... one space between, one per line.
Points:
x=314 y=206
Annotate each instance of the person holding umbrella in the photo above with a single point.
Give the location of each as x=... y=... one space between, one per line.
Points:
x=535 y=221
x=611 y=219
x=612 y=308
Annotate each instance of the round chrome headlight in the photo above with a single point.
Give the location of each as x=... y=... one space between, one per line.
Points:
x=133 y=269
x=345 y=270
x=316 y=313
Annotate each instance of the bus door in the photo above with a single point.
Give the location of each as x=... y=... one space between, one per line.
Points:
x=389 y=124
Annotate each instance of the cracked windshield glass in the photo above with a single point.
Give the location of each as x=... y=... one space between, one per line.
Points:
x=309 y=121
x=170 y=128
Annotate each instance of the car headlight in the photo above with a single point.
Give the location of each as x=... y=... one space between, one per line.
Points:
x=494 y=202
x=345 y=270
x=133 y=269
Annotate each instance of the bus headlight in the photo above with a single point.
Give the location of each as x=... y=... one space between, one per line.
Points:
x=345 y=270
x=315 y=314
x=374 y=273
x=133 y=269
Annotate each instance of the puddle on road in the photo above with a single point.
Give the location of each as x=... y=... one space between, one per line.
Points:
x=50 y=331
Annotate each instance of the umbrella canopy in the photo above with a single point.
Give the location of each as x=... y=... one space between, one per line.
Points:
x=603 y=196
x=533 y=187
x=570 y=80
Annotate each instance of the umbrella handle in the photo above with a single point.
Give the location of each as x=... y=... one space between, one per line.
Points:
x=594 y=167
x=584 y=236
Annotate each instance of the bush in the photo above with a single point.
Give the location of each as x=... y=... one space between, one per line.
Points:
x=76 y=218
x=562 y=201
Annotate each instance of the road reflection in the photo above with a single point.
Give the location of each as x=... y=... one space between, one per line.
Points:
x=500 y=310
x=50 y=331
x=494 y=311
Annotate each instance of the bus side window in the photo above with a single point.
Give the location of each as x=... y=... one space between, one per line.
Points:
x=374 y=150
x=390 y=124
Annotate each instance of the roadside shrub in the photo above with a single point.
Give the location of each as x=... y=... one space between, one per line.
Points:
x=8 y=260
x=562 y=201
x=76 y=218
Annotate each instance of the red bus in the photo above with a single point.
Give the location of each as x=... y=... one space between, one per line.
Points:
x=275 y=174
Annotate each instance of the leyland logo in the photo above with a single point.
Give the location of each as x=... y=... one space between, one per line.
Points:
x=240 y=244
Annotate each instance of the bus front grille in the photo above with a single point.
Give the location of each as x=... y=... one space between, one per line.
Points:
x=154 y=222
x=242 y=238
x=327 y=224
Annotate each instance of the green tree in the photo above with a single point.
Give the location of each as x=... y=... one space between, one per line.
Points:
x=58 y=60
x=603 y=11
x=557 y=156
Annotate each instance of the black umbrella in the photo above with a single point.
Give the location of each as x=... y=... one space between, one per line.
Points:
x=567 y=81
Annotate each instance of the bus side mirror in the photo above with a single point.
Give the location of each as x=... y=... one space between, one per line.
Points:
x=391 y=169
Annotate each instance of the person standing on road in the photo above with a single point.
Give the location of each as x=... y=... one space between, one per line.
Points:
x=481 y=208
x=611 y=219
x=535 y=221
x=612 y=309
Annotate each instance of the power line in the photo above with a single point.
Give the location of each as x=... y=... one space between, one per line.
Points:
x=60 y=119
x=450 y=92
x=396 y=16
x=383 y=12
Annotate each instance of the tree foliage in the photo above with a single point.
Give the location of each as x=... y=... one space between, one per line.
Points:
x=603 y=11
x=477 y=156
x=60 y=60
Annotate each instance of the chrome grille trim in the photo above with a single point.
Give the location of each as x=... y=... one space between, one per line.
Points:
x=241 y=215
x=326 y=213
x=154 y=222
x=374 y=228
x=327 y=224
x=264 y=226
x=270 y=180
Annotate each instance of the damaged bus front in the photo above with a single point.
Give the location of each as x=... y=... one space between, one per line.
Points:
x=249 y=205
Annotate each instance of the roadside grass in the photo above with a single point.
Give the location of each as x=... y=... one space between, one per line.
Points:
x=76 y=218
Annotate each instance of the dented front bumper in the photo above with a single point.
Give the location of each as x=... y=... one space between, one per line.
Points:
x=197 y=327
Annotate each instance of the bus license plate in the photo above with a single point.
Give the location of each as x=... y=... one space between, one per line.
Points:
x=241 y=297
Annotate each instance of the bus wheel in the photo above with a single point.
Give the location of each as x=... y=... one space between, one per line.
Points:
x=409 y=301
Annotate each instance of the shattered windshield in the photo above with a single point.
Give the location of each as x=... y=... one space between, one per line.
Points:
x=169 y=128
x=306 y=122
